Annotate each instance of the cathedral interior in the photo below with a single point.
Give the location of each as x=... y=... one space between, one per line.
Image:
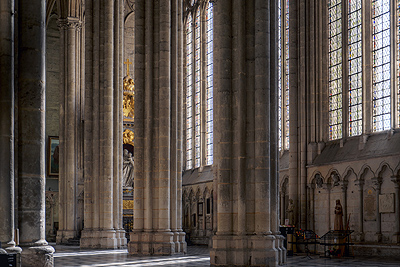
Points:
x=250 y=128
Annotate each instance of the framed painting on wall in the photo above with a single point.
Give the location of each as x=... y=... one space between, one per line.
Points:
x=53 y=155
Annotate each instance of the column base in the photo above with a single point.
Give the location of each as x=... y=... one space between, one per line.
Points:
x=180 y=243
x=100 y=239
x=121 y=238
x=396 y=238
x=156 y=243
x=244 y=250
x=37 y=256
x=378 y=237
x=64 y=237
x=281 y=249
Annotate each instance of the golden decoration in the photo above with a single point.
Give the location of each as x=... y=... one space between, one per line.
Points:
x=127 y=204
x=128 y=136
x=129 y=94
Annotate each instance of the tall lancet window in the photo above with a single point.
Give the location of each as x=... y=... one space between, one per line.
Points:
x=197 y=88
x=381 y=96
x=355 y=67
x=199 y=83
x=189 y=93
x=280 y=75
x=398 y=63
x=335 y=69
x=283 y=74
x=210 y=87
x=286 y=97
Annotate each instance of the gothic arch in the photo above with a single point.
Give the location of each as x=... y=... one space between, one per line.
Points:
x=317 y=176
x=364 y=170
x=334 y=177
x=347 y=173
x=383 y=167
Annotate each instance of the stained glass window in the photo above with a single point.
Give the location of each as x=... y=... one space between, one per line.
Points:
x=381 y=65
x=209 y=93
x=279 y=75
x=286 y=97
x=398 y=63
x=189 y=93
x=197 y=88
x=335 y=69
x=199 y=75
x=355 y=67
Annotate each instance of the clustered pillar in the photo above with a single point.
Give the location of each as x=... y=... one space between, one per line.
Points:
x=245 y=155
x=103 y=126
x=157 y=184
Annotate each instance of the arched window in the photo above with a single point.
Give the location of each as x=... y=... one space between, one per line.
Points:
x=283 y=73
x=365 y=108
x=199 y=84
x=335 y=69
x=355 y=67
x=381 y=65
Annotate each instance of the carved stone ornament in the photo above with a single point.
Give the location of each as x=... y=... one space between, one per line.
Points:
x=129 y=94
x=69 y=23
x=128 y=136
x=318 y=180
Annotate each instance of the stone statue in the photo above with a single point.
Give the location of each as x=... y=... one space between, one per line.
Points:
x=128 y=168
x=290 y=212
x=338 y=216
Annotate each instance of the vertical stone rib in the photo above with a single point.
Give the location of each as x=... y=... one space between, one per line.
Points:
x=222 y=119
x=7 y=121
x=164 y=115
x=293 y=112
x=88 y=147
x=108 y=118
x=174 y=116
x=97 y=93
x=274 y=177
x=140 y=136
x=239 y=113
x=262 y=115
x=148 y=133
x=250 y=116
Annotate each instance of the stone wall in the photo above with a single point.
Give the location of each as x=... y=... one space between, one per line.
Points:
x=52 y=120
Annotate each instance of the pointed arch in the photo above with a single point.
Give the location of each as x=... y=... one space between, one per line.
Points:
x=383 y=167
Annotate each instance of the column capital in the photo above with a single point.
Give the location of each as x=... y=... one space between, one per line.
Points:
x=359 y=183
x=344 y=184
x=70 y=23
x=396 y=180
x=377 y=181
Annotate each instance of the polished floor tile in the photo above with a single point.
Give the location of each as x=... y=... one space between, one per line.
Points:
x=197 y=256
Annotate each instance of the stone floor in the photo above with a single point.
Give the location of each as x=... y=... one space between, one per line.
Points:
x=196 y=256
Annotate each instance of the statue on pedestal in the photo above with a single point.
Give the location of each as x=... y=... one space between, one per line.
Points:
x=338 y=216
x=128 y=168
x=290 y=212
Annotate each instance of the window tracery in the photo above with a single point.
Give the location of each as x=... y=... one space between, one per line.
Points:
x=199 y=83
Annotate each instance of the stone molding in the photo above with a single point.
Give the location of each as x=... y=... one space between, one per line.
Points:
x=70 y=23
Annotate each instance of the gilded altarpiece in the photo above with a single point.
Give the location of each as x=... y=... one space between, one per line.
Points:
x=128 y=148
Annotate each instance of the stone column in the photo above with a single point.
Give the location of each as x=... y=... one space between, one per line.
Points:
x=360 y=184
x=69 y=120
x=344 y=185
x=396 y=235
x=103 y=138
x=7 y=123
x=31 y=134
x=377 y=181
x=245 y=173
x=157 y=184
x=294 y=129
